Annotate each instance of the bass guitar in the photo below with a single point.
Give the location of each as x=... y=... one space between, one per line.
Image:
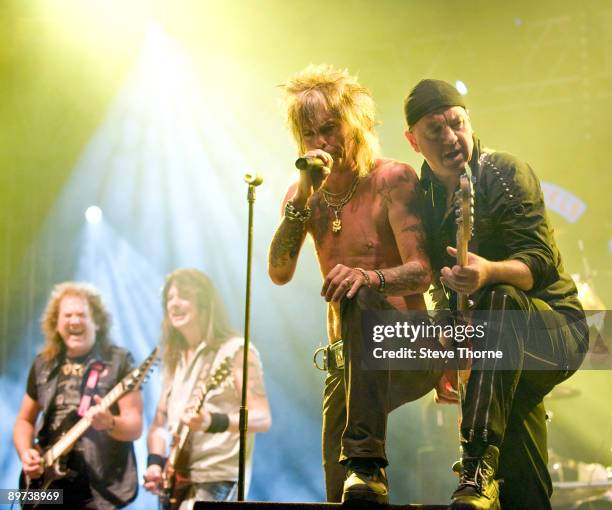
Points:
x=465 y=230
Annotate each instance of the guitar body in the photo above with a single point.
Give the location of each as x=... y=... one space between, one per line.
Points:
x=46 y=481
x=50 y=475
x=175 y=488
x=54 y=468
x=174 y=485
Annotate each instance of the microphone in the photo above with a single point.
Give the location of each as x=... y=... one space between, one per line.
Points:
x=306 y=163
x=253 y=179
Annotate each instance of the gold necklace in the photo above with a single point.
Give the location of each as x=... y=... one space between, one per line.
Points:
x=336 y=206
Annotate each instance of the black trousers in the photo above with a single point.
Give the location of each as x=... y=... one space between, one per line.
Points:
x=505 y=407
x=357 y=401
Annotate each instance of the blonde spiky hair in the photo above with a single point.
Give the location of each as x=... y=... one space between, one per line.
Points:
x=321 y=87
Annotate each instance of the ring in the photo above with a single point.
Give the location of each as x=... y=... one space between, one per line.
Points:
x=348 y=281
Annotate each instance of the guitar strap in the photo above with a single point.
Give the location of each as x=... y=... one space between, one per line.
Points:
x=93 y=376
x=202 y=376
x=474 y=178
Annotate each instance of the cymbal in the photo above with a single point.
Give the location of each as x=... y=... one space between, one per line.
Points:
x=568 y=493
x=587 y=295
x=562 y=392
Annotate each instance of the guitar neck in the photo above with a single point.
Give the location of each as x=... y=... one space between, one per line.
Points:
x=195 y=404
x=462 y=254
x=61 y=446
x=462 y=260
x=198 y=399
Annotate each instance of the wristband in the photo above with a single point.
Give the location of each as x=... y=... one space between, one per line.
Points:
x=219 y=422
x=381 y=277
x=292 y=214
x=156 y=459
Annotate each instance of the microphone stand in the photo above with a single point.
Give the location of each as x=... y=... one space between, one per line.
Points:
x=252 y=181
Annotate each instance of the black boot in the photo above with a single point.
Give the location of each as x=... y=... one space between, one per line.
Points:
x=478 y=489
x=365 y=481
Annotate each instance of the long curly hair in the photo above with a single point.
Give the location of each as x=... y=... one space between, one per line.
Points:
x=214 y=322
x=321 y=87
x=54 y=343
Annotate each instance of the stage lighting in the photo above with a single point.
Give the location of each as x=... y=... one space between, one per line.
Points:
x=93 y=214
x=461 y=87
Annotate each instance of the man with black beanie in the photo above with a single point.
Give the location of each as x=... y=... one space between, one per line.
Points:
x=513 y=266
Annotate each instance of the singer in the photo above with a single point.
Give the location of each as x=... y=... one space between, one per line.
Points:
x=363 y=213
x=514 y=264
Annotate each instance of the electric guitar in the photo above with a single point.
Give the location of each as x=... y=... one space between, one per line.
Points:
x=174 y=483
x=53 y=458
x=465 y=229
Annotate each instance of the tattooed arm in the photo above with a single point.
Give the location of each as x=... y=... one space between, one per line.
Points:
x=403 y=201
x=286 y=244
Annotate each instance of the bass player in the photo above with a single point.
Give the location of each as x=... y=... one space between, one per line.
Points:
x=513 y=265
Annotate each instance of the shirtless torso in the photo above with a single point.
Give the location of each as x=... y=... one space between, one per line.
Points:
x=381 y=229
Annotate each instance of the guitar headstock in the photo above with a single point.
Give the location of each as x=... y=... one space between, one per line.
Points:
x=137 y=377
x=220 y=374
x=213 y=381
x=464 y=201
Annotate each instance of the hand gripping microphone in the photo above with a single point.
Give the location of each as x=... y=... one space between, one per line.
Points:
x=306 y=163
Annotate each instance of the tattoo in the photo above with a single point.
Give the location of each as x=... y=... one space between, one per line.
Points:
x=286 y=242
x=420 y=236
x=385 y=193
x=256 y=385
x=409 y=277
x=414 y=216
x=320 y=217
x=414 y=202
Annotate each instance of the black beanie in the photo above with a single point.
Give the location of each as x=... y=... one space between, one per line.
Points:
x=429 y=95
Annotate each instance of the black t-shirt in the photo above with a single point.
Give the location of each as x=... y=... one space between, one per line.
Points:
x=69 y=389
x=65 y=403
x=101 y=468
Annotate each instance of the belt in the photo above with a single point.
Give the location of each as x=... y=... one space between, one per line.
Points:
x=333 y=357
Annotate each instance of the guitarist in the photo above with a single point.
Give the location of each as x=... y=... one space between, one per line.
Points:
x=197 y=338
x=78 y=363
x=513 y=264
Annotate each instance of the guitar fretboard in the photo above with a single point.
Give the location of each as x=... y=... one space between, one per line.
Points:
x=80 y=427
x=130 y=382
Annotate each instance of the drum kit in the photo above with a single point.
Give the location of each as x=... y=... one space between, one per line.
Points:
x=577 y=485
x=580 y=485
